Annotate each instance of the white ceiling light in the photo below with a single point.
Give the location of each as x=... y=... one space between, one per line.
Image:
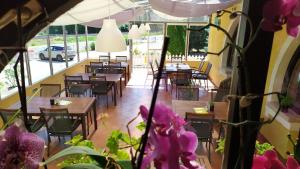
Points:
x=142 y=29
x=147 y=27
x=134 y=32
x=110 y=38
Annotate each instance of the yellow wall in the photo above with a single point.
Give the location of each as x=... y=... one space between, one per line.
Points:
x=216 y=42
x=283 y=49
x=57 y=78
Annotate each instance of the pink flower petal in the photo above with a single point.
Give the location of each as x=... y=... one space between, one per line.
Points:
x=188 y=142
x=291 y=163
x=260 y=162
x=33 y=146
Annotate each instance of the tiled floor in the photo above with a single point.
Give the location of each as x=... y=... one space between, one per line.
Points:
x=137 y=92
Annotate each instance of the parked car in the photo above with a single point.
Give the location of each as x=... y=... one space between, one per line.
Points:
x=57 y=53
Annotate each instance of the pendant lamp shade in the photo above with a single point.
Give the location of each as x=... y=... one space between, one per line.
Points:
x=142 y=29
x=110 y=38
x=147 y=27
x=134 y=32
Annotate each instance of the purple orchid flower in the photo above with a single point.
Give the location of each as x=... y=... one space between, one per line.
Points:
x=269 y=160
x=20 y=149
x=278 y=12
x=169 y=144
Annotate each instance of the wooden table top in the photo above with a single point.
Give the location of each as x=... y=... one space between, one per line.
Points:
x=78 y=106
x=109 y=77
x=183 y=106
x=172 y=67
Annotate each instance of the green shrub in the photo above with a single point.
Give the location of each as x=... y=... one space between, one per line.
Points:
x=92 y=46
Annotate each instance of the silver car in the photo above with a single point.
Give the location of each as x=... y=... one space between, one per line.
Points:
x=57 y=53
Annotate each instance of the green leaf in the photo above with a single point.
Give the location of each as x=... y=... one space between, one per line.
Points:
x=75 y=140
x=82 y=166
x=141 y=126
x=73 y=150
x=122 y=155
x=125 y=164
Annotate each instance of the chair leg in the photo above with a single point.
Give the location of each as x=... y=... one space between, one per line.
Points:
x=209 y=150
x=48 y=148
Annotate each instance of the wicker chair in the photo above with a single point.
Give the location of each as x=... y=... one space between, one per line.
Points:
x=75 y=87
x=100 y=86
x=34 y=124
x=59 y=123
x=202 y=125
x=50 y=90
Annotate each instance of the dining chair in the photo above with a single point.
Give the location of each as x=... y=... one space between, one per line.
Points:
x=203 y=75
x=35 y=123
x=74 y=86
x=59 y=123
x=182 y=77
x=115 y=68
x=188 y=93
x=202 y=125
x=100 y=86
x=155 y=75
x=96 y=67
x=103 y=58
x=50 y=90
x=121 y=58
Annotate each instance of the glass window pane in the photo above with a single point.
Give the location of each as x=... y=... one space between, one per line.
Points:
x=57 y=52
x=177 y=34
x=8 y=83
x=38 y=57
x=198 y=42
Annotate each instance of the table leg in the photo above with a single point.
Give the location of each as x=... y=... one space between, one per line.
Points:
x=83 y=127
x=115 y=93
x=95 y=115
x=121 y=87
x=128 y=68
x=125 y=75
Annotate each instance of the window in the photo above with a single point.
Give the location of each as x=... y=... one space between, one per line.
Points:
x=291 y=84
x=38 y=58
x=8 y=83
x=198 y=42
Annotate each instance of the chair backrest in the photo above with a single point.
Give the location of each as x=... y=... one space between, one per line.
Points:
x=87 y=69
x=222 y=91
x=115 y=67
x=187 y=93
x=157 y=64
x=104 y=58
x=201 y=124
x=72 y=81
x=53 y=115
x=151 y=66
x=206 y=69
x=50 y=90
x=184 y=74
x=201 y=66
x=121 y=58
x=6 y=114
x=96 y=67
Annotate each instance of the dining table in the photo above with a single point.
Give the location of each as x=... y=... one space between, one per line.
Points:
x=114 y=78
x=77 y=107
x=182 y=106
x=173 y=67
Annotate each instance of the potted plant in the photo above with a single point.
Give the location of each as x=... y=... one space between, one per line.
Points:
x=285 y=102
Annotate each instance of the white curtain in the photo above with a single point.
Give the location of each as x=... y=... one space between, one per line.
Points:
x=90 y=10
x=190 y=8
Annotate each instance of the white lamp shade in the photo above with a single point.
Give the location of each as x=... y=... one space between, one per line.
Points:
x=147 y=27
x=142 y=29
x=110 y=38
x=134 y=32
